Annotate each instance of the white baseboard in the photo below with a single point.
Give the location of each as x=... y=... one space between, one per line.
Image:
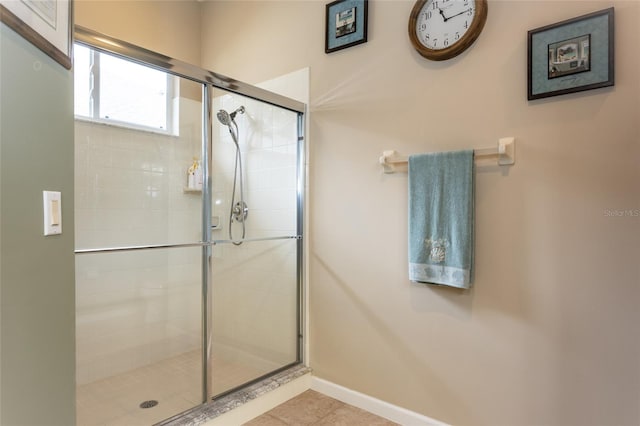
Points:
x=378 y=407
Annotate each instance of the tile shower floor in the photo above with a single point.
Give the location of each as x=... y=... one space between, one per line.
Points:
x=175 y=383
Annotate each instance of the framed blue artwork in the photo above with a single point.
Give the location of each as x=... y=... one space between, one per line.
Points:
x=571 y=56
x=346 y=23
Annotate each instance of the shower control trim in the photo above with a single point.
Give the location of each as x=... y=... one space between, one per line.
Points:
x=240 y=211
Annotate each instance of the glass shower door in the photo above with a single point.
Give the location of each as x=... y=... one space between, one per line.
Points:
x=139 y=262
x=255 y=259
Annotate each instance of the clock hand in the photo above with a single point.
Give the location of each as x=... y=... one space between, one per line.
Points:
x=464 y=11
x=443 y=17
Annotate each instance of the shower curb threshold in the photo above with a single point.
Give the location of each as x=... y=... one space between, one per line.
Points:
x=209 y=411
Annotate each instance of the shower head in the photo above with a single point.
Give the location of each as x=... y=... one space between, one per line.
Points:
x=228 y=119
x=225 y=118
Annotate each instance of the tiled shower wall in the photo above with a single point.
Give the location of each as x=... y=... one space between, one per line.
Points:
x=135 y=308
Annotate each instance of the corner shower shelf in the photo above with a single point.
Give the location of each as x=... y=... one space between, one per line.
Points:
x=191 y=190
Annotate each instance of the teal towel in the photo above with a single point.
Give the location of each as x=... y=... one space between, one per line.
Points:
x=441 y=209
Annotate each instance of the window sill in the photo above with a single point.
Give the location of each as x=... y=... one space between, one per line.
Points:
x=123 y=125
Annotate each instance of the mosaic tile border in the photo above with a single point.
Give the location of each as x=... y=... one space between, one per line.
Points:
x=213 y=409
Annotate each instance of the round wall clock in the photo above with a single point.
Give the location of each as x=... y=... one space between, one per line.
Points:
x=442 y=29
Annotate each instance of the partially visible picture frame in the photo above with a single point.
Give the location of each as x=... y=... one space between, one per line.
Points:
x=571 y=56
x=47 y=24
x=346 y=24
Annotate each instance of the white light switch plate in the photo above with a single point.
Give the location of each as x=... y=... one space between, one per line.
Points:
x=52 y=203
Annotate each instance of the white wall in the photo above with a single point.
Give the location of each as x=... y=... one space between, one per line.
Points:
x=547 y=335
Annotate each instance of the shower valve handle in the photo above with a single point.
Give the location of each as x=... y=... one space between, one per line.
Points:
x=240 y=211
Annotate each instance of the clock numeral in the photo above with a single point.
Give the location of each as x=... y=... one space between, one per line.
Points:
x=435 y=5
x=457 y=36
x=466 y=24
x=435 y=42
x=446 y=42
x=428 y=15
x=423 y=27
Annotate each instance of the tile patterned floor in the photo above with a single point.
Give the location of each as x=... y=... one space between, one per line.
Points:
x=313 y=408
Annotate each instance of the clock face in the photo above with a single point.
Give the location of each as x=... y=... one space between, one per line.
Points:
x=442 y=23
x=442 y=29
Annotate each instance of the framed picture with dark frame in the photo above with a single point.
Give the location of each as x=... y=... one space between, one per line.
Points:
x=47 y=24
x=571 y=56
x=346 y=24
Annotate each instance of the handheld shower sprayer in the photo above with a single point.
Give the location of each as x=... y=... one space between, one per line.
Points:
x=239 y=210
x=225 y=118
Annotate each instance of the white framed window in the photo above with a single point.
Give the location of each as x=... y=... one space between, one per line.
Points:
x=112 y=90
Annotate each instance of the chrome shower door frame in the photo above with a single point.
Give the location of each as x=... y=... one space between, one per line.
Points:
x=210 y=80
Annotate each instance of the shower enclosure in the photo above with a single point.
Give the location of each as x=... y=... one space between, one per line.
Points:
x=184 y=291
